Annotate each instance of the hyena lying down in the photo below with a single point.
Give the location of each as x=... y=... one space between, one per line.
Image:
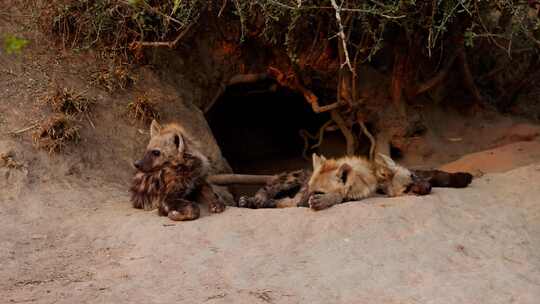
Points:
x=172 y=176
x=335 y=181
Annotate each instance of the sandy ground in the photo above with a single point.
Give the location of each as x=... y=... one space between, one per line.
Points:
x=69 y=234
x=76 y=240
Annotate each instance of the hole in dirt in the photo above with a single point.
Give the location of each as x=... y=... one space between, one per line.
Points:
x=395 y=153
x=257 y=127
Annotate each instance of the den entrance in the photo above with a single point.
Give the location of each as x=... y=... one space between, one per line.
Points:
x=258 y=127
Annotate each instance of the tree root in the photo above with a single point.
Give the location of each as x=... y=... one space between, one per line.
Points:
x=291 y=81
x=349 y=138
x=468 y=79
x=435 y=80
x=306 y=136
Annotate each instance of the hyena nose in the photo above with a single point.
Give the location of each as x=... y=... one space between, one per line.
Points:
x=137 y=164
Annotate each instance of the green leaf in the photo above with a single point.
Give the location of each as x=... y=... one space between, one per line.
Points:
x=14 y=45
x=176 y=6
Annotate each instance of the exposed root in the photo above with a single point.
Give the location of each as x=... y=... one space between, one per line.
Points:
x=291 y=81
x=236 y=79
x=349 y=137
x=368 y=134
x=468 y=79
x=55 y=133
x=435 y=80
x=143 y=109
x=306 y=136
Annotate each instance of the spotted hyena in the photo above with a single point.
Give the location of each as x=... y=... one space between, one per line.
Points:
x=171 y=176
x=334 y=181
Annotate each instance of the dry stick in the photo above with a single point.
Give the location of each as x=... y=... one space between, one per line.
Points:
x=223 y=5
x=169 y=44
x=343 y=128
x=341 y=35
x=35 y=125
x=90 y=120
x=239 y=179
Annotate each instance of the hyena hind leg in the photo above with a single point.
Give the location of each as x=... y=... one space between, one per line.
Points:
x=208 y=196
x=438 y=178
x=281 y=192
x=180 y=210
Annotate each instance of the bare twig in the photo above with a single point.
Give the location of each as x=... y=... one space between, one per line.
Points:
x=90 y=120
x=169 y=44
x=341 y=35
x=31 y=127
x=223 y=5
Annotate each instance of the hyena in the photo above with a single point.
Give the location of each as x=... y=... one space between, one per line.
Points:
x=172 y=175
x=334 y=181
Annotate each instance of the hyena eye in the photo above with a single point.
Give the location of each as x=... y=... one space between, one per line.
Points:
x=156 y=152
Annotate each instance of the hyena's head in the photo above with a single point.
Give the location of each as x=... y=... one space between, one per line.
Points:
x=392 y=178
x=329 y=176
x=165 y=146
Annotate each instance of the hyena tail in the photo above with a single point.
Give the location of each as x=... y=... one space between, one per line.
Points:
x=438 y=178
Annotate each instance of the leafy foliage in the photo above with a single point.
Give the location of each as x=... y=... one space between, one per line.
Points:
x=14 y=45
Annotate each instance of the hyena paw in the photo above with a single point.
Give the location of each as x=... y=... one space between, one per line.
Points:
x=421 y=188
x=248 y=202
x=216 y=207
x=318 y=202
x=243 y=202
x=186 y=213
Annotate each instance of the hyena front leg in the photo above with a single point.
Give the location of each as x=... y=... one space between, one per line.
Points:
x=323 y=201
x=179 y=209
x=207 y=195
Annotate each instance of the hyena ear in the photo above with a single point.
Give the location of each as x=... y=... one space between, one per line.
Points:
x=179 y=142
x=343 y=172
x=155 y=128
x=317 y=160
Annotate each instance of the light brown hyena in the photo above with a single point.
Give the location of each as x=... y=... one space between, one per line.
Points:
x=172 y=175
x=334 y=181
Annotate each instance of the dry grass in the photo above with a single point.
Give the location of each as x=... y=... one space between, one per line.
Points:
x=68 y=102
x=7 y=160
x=114 y=78
x=142 y=109
x=55 y=133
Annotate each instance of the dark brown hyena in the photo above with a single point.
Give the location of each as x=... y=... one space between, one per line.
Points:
x=172 y=176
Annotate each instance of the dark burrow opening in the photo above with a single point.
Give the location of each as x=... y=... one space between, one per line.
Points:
x=258 y=125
